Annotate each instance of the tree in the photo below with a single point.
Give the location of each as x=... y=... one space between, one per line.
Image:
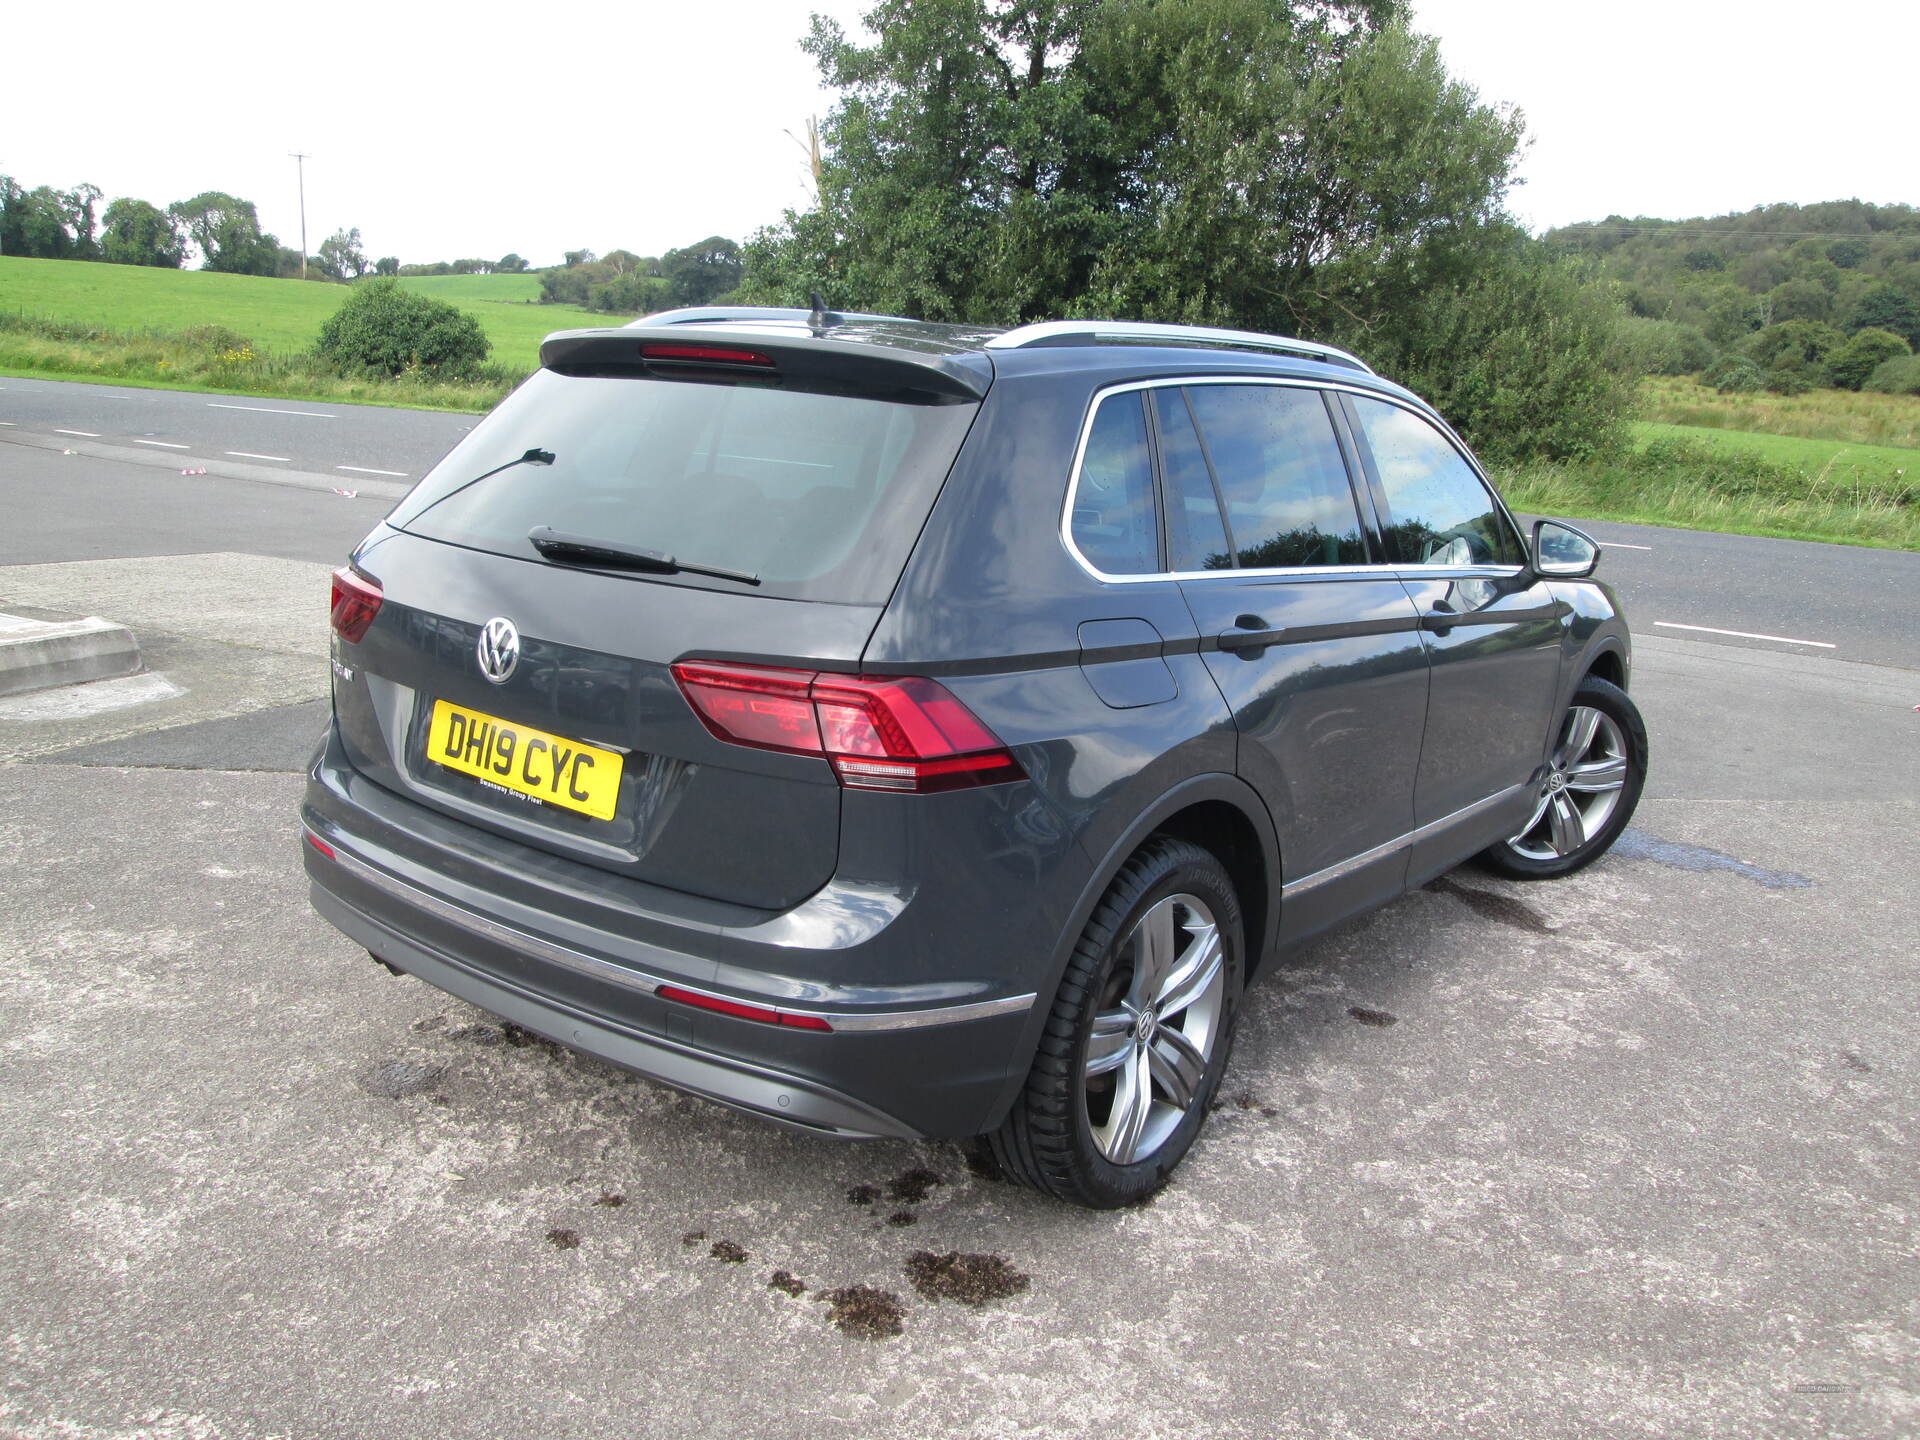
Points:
x=385 y=329
x=1886 y=308
x=342 y=256
x=80 y=203
x=1297 y=165
x=578 y=257
x=1206 y=161
x=700 y=272
x=227 y=233
x=141 y=234
x=1865 y=352
x=510 y=264
x=34 y=222
x=387 y=265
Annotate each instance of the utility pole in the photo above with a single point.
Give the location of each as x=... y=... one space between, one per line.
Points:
x=300 y=165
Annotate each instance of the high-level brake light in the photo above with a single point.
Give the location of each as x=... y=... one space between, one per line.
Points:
x=879 y=732
x=704 y=354
x=356 y=600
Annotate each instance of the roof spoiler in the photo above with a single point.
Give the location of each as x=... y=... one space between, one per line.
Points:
x=841 y=363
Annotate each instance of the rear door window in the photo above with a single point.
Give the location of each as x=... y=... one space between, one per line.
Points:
x=1440 y=512
x=1289 y=501
x=819 y=495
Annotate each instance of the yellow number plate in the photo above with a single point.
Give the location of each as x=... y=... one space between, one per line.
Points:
x=526 y=761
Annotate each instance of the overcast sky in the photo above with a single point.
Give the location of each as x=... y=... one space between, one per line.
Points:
x=447 y=130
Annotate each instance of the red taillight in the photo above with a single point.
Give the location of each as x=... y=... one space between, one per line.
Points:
x=705 y=354
x=879 y=732
x=356 y=600
x=740 y=1011
x=321 y=845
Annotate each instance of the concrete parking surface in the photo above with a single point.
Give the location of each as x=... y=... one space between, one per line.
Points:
x=1628 y=1154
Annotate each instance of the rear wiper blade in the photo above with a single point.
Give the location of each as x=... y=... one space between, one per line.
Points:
x=579 y=550
x=535 y=456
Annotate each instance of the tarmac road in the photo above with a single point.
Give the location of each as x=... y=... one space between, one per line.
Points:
x=1628 y=1154
x=1790 y=597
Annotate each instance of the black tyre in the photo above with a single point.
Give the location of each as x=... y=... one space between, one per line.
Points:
x=1592 y=784
x=1138 y=1036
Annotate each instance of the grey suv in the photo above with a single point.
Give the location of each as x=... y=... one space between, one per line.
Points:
x=896 y=729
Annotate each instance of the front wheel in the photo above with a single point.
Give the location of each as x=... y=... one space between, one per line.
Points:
x=1138 y=1036
x=1588 y=791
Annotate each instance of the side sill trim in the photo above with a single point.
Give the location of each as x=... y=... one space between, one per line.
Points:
x=1340 y=868
x=842 y=1021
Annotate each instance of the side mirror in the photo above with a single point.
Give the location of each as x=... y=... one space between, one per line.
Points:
x=1561 y=552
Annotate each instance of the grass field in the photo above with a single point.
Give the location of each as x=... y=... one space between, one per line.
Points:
x=1854 y=416
x=1824 y=461
x=474 y=290
x=276 y=315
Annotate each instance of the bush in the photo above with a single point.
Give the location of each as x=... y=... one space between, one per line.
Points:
x=1898 y=376
x=1664 y=347
x=1853 y=362
x=383 y=329
x=1525 y=359
x=1807 y=341
x=1735 y=375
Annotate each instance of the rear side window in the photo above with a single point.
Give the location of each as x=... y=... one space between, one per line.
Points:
x=1114 y=523
x=1439 y=511
x=819 y=495
x=1289 y=502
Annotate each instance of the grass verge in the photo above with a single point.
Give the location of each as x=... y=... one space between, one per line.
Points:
x=212 y=358
x=278 y=315
x=1701 y=485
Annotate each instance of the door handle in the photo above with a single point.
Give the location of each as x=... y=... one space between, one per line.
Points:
x=1253 y=634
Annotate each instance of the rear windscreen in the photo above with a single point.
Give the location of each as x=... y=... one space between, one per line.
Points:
x=820 y=496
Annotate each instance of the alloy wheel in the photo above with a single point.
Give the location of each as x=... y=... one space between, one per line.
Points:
x=1152 y=1039
x=1581 y=788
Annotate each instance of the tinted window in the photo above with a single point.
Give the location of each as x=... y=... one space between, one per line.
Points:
x=1280 y=471
x=819 y=495
x=1441 y=514
x=1193 y=511
x=1113 y=517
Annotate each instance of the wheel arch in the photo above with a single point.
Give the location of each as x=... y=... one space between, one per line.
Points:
x=1607 y=663
x=1222 y=814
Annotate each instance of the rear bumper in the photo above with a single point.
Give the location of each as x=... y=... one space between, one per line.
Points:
x=927 y=1060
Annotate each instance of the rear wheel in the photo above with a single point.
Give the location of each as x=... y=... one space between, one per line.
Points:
x=1588 y=793
x=1138 y=1036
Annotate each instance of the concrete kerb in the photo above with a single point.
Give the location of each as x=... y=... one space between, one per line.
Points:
x=177 y=461
x=39 y=654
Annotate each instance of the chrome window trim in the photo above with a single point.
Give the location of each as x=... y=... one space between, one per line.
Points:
x=583 y=963
x=1293 y=889
x=1379 y=571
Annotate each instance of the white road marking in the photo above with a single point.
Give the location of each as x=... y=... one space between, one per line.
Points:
x=249 y=455
x=1744 y=634
x=6 y=422
x=170 y=444
x=269 y=410
x=71 y=702
x=1622 y=545
x=90 y=434
x=363 y=470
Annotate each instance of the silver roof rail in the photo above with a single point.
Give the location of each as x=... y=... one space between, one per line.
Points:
x=721 y=314
x=1092 y=332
